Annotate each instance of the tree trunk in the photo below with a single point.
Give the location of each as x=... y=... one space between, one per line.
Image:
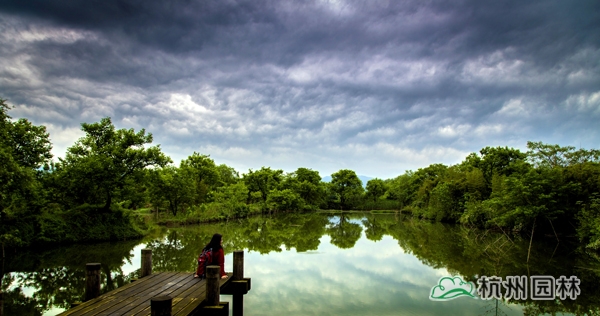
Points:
x=108 y=200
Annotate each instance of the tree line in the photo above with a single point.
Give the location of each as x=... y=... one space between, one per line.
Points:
x=87 y=195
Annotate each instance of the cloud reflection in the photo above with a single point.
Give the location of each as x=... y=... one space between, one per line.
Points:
x=372 y=278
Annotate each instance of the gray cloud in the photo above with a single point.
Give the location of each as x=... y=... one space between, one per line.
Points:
x=378 y=87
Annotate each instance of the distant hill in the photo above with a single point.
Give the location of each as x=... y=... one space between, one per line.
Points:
x=364 y=179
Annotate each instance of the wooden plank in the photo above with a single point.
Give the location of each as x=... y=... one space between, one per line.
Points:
x=104 y=301
x=117 y=298
x=129 y=305
x=192 y=300
x=124 y=297
x=91 y=304
x=188 y=294
x=179 y=281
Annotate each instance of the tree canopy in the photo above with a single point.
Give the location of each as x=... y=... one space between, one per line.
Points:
x=105 y=158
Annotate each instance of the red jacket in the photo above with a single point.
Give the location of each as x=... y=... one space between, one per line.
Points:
x=218 y=258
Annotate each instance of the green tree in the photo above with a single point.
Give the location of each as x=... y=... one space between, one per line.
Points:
x=546 y=155
x=423 y=182
x=24 y=148
x=170 y=184
x=347 y=186
x=589 y=223
x=233 y=198
x=284 y=200
x=499 y=160
x=307 y=184
x=227 y=175
x=262 y=182
x=375 y=188
x=105 y=158
x=204 y=174
x=402 y=189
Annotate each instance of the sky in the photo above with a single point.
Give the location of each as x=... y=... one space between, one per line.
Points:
x=377 y=86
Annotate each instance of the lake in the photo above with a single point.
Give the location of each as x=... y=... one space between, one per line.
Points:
x=321 y=264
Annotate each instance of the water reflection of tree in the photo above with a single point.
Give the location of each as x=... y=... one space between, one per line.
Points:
x=343 y=233
x=16 y=303
x=472 y=253
x=376 y=225
x=180 y=246
x=175 y=252
x=58 y=275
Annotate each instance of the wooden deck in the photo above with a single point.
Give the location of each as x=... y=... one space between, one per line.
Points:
x=187 y=292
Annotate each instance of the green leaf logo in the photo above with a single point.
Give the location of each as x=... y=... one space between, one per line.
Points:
x=449 y=288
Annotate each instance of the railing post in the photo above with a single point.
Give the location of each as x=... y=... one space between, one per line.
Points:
x=161 y=306
x=212 y=305
x=146 y=262
x=238 y=274
x=92 y=282
x=213 y=286
x=238 y=264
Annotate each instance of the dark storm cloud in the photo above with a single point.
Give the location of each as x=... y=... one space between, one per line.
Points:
x=326 y=82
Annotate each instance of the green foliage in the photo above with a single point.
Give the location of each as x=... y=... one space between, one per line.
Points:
x=23 y=149
x=546 y=155
x=227 y=175
x=285 y=200
x=379 y=204
x=441 y=204
x=550 y=186
x=375 y=188
x=101 y=162
x=171 y=185
x=233 y=197
x=589 y=223
x=424 y=181
x=203 y=176
x=402 y=189
x=85 y=224
x=306 y=183
x=262 y=181
x=348 y=188
x=499 y=160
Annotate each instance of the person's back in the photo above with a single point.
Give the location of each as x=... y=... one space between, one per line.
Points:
x=212 y=254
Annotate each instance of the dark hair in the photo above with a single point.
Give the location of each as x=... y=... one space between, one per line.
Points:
x=215 y=242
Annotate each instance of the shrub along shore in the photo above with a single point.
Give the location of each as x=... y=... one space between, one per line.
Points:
x=113 y=185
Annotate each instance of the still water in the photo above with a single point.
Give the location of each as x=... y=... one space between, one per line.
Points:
x=319 y=264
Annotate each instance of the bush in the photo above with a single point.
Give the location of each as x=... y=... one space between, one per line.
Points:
x=87 y=223
x=284 y=200
x=589 y=223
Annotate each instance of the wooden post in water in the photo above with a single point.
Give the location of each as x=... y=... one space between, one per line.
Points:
x=146 y=262
x=213 y=288
x=238 y=274
x=238 y=286
x=161 y=306
x=238 y=264
x=213 y=305
x=92 y=282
